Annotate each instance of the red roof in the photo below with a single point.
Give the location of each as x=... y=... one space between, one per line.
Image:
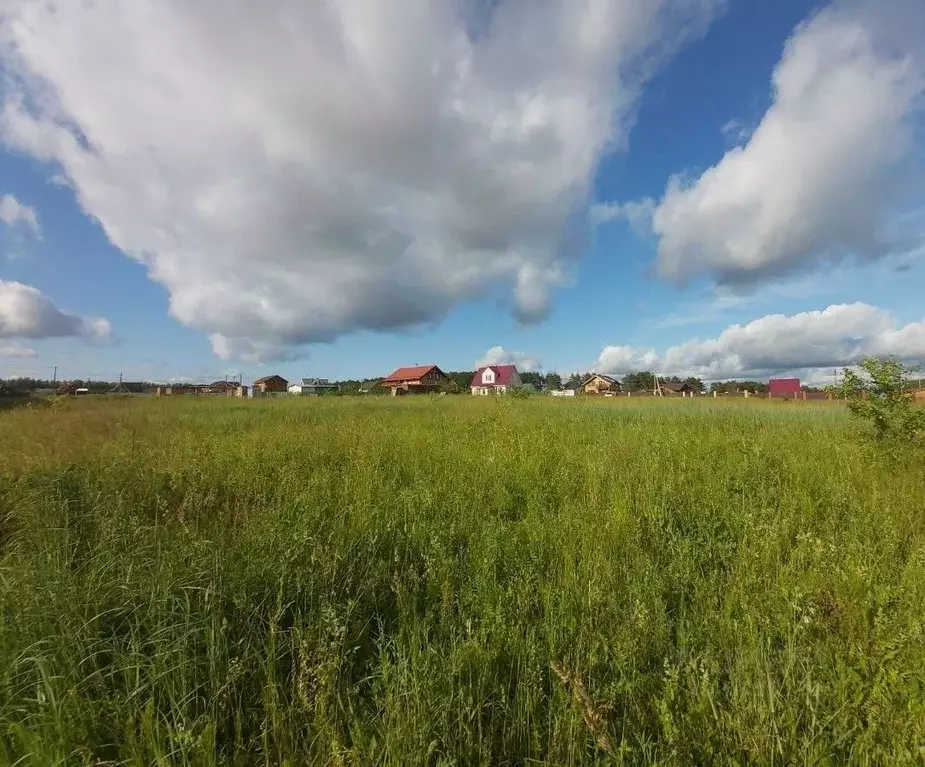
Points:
x=502 y=373
x=784 y=385
x=414 y=373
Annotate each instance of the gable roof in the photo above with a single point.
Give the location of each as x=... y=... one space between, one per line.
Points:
x=412 y=373
x=316 y=382
x=264 y=379
x=609 y=379
x=675 y=386
x=125 y=387
x=502 y=373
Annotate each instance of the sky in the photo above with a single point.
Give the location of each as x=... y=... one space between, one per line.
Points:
x=718 y=188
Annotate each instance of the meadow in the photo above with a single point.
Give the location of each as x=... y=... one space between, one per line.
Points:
x=448 y=580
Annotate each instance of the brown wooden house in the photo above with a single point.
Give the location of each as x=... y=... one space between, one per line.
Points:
x=271 y=385
x=672 y=389
x=419 y=379
x=598 y=383
x=227 y=388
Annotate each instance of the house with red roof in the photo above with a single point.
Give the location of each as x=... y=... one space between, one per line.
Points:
x=495 y=379
x=417 y=379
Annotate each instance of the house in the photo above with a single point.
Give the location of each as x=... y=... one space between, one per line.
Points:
x=672 y=389
x=124 y=387
x=597 y=383
x=418 y=379
x=176 y=389
x=227 y=388
x=495 y=379
x=313 y=386
x=218 y=388
x=784 y=387
x=271 y=385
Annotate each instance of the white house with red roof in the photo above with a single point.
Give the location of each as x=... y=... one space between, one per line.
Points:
x=495 y=379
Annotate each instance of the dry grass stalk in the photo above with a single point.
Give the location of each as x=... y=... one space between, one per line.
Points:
x=591 y=714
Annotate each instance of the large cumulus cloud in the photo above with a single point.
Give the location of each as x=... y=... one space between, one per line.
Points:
x=292 y=171
x=832 y=170
x=26 y=312
x=840 y=334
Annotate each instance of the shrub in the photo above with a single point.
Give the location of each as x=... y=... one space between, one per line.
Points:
x=878 y=396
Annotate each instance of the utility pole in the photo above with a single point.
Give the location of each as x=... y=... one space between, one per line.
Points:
x=54 y=379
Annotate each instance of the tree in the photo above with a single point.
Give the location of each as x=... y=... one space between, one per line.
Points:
x=347 y=387
x=573 y=382
x=877 y=395
x=640 y=380
x=462 y=379
x=553 y=381
x=730 y=387
x=531 y=378
x=28 y=384
x=695 y=383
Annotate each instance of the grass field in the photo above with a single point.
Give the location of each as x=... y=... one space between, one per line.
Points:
x=448 y=581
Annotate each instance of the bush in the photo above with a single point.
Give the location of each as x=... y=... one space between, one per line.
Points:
x=877 y=395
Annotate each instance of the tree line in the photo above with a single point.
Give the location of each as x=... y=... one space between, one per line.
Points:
x=27 y=384
x=643 y=380
x=638 y=381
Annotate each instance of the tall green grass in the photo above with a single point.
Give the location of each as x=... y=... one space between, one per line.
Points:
x=455 y=581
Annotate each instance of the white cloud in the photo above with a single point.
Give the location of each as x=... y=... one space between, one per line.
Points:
x=26 y=312
x=498 y=356
x=292 y=171
x=839 y=335
x=13 y=212
x=735 y=132
x=638 y=214
x=618 y=360
x=17 y=352
x=831 y=165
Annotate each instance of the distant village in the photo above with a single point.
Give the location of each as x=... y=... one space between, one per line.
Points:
x=431 y=379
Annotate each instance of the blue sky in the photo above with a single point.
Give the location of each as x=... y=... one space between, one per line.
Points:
x=224 y=204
